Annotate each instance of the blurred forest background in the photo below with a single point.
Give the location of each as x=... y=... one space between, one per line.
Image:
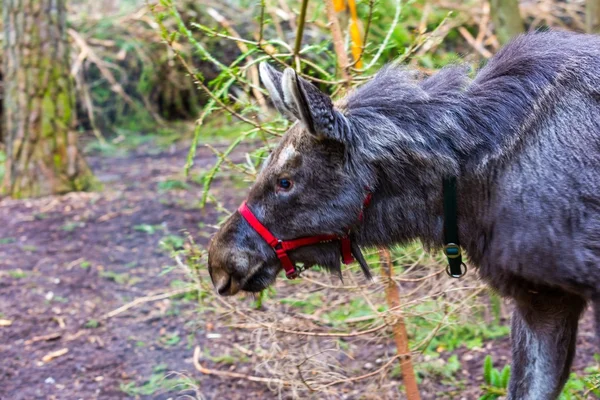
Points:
x=130 y=130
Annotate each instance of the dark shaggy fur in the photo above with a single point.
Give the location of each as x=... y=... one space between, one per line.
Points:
x=523 y=140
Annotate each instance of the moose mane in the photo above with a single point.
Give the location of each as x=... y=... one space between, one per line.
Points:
x=457 y=125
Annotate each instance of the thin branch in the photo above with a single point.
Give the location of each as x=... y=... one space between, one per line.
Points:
x=366 y=35
x=146 y=299
x=299 y=33
x=261 y=21
x=388 y=36
x=340 y=287
x=338 y=41
x=365 y=376
x=420 y=279
x=236 y=375
x=306 y=333
x=471 y=40
x=202 y=86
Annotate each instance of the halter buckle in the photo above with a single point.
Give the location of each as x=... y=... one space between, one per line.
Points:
x=452 y=250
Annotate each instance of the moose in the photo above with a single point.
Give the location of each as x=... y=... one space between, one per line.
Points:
x=520 y=140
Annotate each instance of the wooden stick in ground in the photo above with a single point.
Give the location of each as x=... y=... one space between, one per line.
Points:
x=338 y=40
x=392 y=295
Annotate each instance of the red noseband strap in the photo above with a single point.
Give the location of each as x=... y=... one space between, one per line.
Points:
x=281 y=247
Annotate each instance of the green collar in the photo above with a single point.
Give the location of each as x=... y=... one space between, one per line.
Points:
x=456 y=268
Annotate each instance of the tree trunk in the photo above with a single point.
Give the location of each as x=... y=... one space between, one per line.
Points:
x=507 y=19
x=41 y=145
x=592 y=16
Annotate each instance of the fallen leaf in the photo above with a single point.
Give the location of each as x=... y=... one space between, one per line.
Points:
x=55 y=354
x=5 y=322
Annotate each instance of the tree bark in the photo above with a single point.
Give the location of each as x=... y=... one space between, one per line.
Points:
x=592 y=16
x=41 y=144
x=507 y=19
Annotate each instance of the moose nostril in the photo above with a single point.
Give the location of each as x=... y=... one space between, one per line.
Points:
x=224 y=289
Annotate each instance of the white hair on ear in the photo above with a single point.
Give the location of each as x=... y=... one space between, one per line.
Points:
x=268 y=80
x=288 y=84
x=293 y=97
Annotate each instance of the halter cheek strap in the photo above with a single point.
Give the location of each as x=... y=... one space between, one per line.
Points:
x=281 y=247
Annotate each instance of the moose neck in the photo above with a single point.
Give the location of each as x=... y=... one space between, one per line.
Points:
x=400 y=216
x=408 y=136
x=408 y=146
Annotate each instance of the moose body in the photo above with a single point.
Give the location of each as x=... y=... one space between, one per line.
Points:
x=522 y=140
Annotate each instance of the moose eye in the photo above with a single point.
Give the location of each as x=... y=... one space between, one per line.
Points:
x=284 y=184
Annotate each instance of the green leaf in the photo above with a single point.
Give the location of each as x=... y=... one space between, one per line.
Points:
x=487 y=369
x=172 y=242
x=505 y=377
x=496 y=379
x=149 y=229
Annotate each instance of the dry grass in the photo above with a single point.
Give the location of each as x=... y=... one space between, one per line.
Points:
x=319 y=337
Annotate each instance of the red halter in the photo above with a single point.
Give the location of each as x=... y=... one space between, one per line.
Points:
x=281 y=247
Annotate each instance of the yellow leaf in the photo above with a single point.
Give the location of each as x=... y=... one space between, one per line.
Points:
x=353 y=13
x=339 y=5
x=356 y=42
x=5 y=322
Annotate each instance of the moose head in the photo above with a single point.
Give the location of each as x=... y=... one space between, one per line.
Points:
x=314 y=184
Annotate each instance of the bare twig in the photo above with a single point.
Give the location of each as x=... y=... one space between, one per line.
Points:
x=235 y=375
x=356 y=62
x=338 y=41
x=146 y=299
x=258 y=324
x=483 y=24
x=368 y=375
x=471 y=40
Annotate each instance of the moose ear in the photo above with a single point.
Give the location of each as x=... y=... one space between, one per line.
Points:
x=313 y=107
x=271 y=78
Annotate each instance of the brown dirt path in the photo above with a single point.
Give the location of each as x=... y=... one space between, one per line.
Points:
x=65 y=261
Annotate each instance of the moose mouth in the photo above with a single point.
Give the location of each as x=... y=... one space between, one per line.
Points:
x=260 y=280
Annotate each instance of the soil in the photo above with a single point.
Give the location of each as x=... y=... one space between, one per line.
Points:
x=67 y=261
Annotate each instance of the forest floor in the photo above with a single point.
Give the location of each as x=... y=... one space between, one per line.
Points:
x=68 y=261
